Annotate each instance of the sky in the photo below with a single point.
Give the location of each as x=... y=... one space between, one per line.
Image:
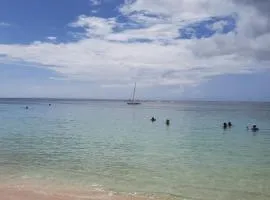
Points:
x=173 y=49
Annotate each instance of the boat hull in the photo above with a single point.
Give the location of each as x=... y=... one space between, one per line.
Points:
x=133 y=103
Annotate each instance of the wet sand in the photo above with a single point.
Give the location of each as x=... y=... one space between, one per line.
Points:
x=27 y=192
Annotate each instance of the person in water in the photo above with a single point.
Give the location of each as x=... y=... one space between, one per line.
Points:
x=225 y=125
x=26 y=107
x=230 y=124
x=167 y=122
x=153 y=119
x=254 y=128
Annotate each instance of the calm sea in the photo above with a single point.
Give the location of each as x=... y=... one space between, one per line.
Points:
x=114 y=146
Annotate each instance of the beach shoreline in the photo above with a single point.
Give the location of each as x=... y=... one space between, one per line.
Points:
x=43 y=192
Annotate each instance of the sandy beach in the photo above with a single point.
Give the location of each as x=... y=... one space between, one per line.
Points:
x=27 y=192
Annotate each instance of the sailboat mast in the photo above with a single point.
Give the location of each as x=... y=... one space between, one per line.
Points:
x=133 y=96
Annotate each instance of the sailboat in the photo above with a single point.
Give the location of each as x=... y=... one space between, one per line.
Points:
x=133 y=102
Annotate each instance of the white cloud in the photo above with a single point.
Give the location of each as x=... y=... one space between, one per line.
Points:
x=95 y=26
x=219 y=26
x=94 y=11
x=179 y=10
x=106 y=57
x=155 y=32
x=95 y=2
x=52 y=38
x=4 y=24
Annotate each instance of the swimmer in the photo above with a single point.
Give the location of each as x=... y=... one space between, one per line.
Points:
x=254 y=128
x=153 y=119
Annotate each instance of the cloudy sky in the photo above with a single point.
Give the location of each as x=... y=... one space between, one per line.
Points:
x=173 y=49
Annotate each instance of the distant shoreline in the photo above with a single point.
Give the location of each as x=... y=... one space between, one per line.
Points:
x=124 y=100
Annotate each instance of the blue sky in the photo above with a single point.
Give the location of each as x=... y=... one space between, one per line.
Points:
x=174 y=49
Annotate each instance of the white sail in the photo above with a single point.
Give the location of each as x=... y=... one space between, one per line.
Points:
x=133 y=102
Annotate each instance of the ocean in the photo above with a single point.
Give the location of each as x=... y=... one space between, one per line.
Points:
x=112 y=146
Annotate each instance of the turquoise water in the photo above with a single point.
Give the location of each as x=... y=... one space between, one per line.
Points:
x=115 y=146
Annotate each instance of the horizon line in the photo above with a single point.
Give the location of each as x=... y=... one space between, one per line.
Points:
x=142 y=100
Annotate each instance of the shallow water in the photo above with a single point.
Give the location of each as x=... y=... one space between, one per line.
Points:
x=112 y=145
